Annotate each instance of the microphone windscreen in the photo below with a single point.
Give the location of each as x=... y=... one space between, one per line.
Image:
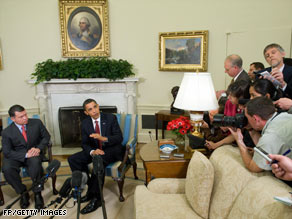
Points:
x=66 y=188
x=97 y=164
x=84 y=180
x=76 y=179
x=54 y=165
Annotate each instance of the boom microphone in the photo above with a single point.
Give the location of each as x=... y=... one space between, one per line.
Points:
x=76 y=179
x=52 y=168
x=97 y=164
x=83 y=181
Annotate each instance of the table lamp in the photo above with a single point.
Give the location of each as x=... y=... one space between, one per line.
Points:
x=196 y=94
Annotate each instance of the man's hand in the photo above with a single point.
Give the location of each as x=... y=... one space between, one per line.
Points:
x=282 y=169
x=33 y=152
x=98 y=137
x=211 y=145
x=97 y=152
x=284 y=103
x=237 y=136
x=219 y=93
x=277 y=74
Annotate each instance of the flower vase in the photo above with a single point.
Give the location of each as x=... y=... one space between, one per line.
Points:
x=179 y=140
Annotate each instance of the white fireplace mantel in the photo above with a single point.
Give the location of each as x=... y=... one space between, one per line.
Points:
x=56 y=93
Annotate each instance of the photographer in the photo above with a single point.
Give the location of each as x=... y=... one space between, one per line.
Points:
x=237 y=90
x=276 y=135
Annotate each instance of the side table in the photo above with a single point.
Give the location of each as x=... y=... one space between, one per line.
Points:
x=165 y=116
x=172 y=167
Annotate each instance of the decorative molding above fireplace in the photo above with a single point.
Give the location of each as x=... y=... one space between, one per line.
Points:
x=56 y=93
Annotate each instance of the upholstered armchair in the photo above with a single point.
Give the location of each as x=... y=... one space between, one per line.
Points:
x=117 y=170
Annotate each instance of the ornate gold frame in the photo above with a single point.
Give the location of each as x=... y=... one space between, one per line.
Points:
x=97 y=42
x=179 y=58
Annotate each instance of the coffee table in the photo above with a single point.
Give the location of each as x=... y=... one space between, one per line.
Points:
x=156 y=167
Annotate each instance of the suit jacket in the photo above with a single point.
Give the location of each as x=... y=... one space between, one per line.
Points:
x=287 y=73
x=15 y=147
x=243 y=76
x=109 y=128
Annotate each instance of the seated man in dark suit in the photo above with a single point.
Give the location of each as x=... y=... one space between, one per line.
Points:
x=101 y=135
x=274 y=55
x=23 y=142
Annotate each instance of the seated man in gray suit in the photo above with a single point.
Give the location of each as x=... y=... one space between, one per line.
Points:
x=23 y=142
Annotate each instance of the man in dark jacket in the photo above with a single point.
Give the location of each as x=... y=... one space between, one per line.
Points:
x=101 y=135
x=23 y=142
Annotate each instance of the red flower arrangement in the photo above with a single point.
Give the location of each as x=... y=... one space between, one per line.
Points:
x=180 y=126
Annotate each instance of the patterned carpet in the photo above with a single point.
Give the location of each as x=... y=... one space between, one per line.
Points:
x=115 y=209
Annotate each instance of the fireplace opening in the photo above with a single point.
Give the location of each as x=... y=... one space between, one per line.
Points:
x=70 y=119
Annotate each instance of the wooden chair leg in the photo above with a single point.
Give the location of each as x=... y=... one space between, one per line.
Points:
x=121 y=185
x=54 y=179
x=135 y=169
x=1 y=197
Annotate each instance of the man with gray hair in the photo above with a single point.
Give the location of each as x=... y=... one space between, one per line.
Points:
x=274 y=55
x=233 y=67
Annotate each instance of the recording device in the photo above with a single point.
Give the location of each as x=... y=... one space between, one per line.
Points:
x=66 y=188
x=275 y=82
x=237 y=121
x=263 y=153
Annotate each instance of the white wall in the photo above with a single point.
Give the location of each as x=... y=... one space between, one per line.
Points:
x=30 y=33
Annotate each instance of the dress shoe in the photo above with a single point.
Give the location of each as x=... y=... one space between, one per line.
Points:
x=24 y=201
x=91 y=206
x=85 y=198
x=39 y=201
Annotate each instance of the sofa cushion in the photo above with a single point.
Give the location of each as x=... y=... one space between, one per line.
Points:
x=161 y=206
x=257 y=200
x=167 y=186
x=231 y=177
x=199 y=184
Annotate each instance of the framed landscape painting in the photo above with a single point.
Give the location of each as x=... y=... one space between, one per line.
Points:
x=183 y=51
x=84 y=28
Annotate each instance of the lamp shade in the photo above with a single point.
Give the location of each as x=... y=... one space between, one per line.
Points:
x=196 y=93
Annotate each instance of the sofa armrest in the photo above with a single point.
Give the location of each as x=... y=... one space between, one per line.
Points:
x=167 y=186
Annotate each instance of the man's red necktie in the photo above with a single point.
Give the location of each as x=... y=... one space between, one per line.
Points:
x=24 y=133
x=98 y=132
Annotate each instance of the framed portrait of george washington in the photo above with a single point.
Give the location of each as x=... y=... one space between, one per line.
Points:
x=84 y=28
x=183 y=51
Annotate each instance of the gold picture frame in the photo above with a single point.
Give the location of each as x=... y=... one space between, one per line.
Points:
x=183 y=51
x=84 y=28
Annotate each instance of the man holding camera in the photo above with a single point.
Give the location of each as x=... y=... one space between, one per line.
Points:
x=275 y=137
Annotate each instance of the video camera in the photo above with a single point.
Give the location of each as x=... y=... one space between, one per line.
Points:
x=237 y=121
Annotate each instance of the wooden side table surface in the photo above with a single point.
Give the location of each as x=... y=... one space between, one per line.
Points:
x=173 y=167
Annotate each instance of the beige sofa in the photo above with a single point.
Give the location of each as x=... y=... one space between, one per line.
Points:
x=217 y=188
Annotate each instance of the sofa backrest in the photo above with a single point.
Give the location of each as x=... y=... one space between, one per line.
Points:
x=230 y=178
x=257 y=200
